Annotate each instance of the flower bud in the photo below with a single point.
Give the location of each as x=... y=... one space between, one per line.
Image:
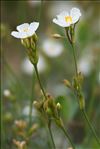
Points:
x=58 y=105
x=56 y=36
x=33 y=56
x=67 y=83
x=26 y=43
x=38 y=105
x=59 y=122
x=19 y=144
x=35 y=38
x=80 y=77
x=20 y=124
x=32 y=43
x=49 y=111
x=33 y=129
x=81 y=102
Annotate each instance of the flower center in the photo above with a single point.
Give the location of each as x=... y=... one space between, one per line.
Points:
x=68 y=19
x=25 y=29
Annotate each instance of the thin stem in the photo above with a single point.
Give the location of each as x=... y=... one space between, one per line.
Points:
x=74 y=55
x=31 y=102
x=49 y=128
x=37 y=74
x=90 y=125
x=68 y=36
x=67 y=136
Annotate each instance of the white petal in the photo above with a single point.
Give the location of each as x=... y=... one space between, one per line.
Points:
x=34 y=26
x=63 y=14
x=21 y=27
x=18 y=34
x=61 y=19
x=75 y=14
x=30 y=33
x=60 y=22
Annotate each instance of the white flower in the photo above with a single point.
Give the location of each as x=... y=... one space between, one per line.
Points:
x=65 y=19
x=27 y=66
x=25 y=30
x=6 y=93
x=85 y=64
x=52 y=48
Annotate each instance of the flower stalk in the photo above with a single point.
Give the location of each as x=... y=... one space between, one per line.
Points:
x=68 y=137
x=49 y=123
x=61 y=126
x=50 y=132
x=74 y=55
x=38 y=78
x=78 y=90
x=90 y=125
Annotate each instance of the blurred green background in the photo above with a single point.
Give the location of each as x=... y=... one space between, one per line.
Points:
x=56 y=64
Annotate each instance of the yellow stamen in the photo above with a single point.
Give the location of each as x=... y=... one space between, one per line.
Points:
x=25 y=30
x=68 y=19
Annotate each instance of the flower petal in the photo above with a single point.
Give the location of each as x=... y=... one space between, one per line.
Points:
x=21 y=27
x=60 y=20
x=75 y=14
x=63 y=14
x=61 y=23
x=30 y=33
x=34 y=26
x=19 y=35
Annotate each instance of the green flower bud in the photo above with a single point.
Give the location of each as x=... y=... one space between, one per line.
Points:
x=33 y=129
x=81 y=102
x=32 y=43
x=35 y=38
x=49 y=111
x=58 y=106
x=33 y=56
x=26 y=43
x=57 y=36
x=38 y=105
x=67 y=83
x=59 y=122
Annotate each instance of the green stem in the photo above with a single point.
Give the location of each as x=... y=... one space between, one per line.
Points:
x=74 y=55
x=37 y=74
x=90 y=125
x=31 y=102
x=67 y=136
x=83 y=111
x=50 y=132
